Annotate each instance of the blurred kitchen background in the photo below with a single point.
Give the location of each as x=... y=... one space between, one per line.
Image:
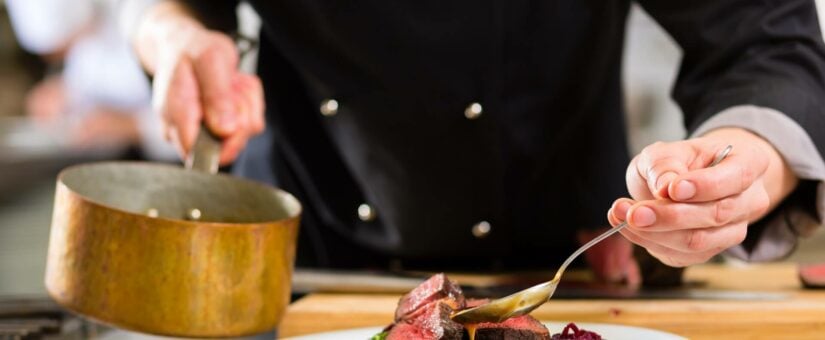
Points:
x=70 y=92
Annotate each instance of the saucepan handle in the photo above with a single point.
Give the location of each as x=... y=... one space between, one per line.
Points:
x=204 y=156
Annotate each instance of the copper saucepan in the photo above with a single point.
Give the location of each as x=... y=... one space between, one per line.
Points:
x=165 y=250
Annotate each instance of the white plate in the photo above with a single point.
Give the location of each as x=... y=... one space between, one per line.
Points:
x=607 y=331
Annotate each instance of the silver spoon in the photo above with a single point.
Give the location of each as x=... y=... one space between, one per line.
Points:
x=527 y=300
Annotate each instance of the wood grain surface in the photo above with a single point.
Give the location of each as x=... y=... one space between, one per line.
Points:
x=800 y=315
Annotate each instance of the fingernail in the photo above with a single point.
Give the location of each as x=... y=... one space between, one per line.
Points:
x=684 y=190
x=621 y=210
x=664 y=180
x=644 y=216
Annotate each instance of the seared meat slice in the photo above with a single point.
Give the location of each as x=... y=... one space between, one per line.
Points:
x=424 y=314
x=429 y=322
x=435 y=288
x=404 y=331
x=519 y=328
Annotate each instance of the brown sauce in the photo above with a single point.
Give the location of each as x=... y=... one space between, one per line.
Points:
x=471 y=329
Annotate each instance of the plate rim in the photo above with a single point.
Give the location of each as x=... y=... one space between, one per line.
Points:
x=546 y=322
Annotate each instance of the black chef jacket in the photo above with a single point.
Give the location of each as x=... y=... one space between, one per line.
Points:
x=486 y=133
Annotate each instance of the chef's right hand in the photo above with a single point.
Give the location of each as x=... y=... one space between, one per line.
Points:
x=196 y=78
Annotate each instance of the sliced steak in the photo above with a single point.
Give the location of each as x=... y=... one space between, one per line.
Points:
x=519 y=328
x=430 y=322
x=435 y=288
x=404 y=331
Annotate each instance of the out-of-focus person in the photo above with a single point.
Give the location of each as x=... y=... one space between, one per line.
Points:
x=96 y=96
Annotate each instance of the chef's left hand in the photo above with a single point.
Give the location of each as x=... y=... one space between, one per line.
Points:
x=683 y=212
x=611 y=260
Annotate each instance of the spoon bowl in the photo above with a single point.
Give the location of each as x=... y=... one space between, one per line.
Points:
x=527 y=300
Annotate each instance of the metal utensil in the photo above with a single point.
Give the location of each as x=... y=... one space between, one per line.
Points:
x=527 y=300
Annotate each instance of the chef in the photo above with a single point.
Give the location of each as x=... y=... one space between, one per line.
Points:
x=489 y=134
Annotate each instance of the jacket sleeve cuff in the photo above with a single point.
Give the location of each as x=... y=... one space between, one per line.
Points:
x=776 y=235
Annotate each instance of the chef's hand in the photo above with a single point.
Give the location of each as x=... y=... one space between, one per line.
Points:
x=612 y=259
x=683 y=212
x=196 y=78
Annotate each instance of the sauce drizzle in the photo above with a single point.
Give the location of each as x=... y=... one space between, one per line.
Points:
x=471 y=329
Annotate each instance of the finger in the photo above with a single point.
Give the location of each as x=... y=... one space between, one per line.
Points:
x=180 y=105
x=246 y=105
x=660 y=163
x=252 y=90
x=248 y=121
x=732 y=176
x=611 y=218
x=665 y=215
x=242 y=107
x=618 y=211
x=214 y=68
x=670 y=257
x=232 y=147
x=636 y=184
x=714 y=239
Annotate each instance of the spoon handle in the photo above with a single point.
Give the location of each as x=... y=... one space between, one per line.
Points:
x=587 y=246
x=205 y=153
x=719 y=157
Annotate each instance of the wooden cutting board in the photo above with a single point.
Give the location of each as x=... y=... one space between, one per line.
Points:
x=801 y=315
